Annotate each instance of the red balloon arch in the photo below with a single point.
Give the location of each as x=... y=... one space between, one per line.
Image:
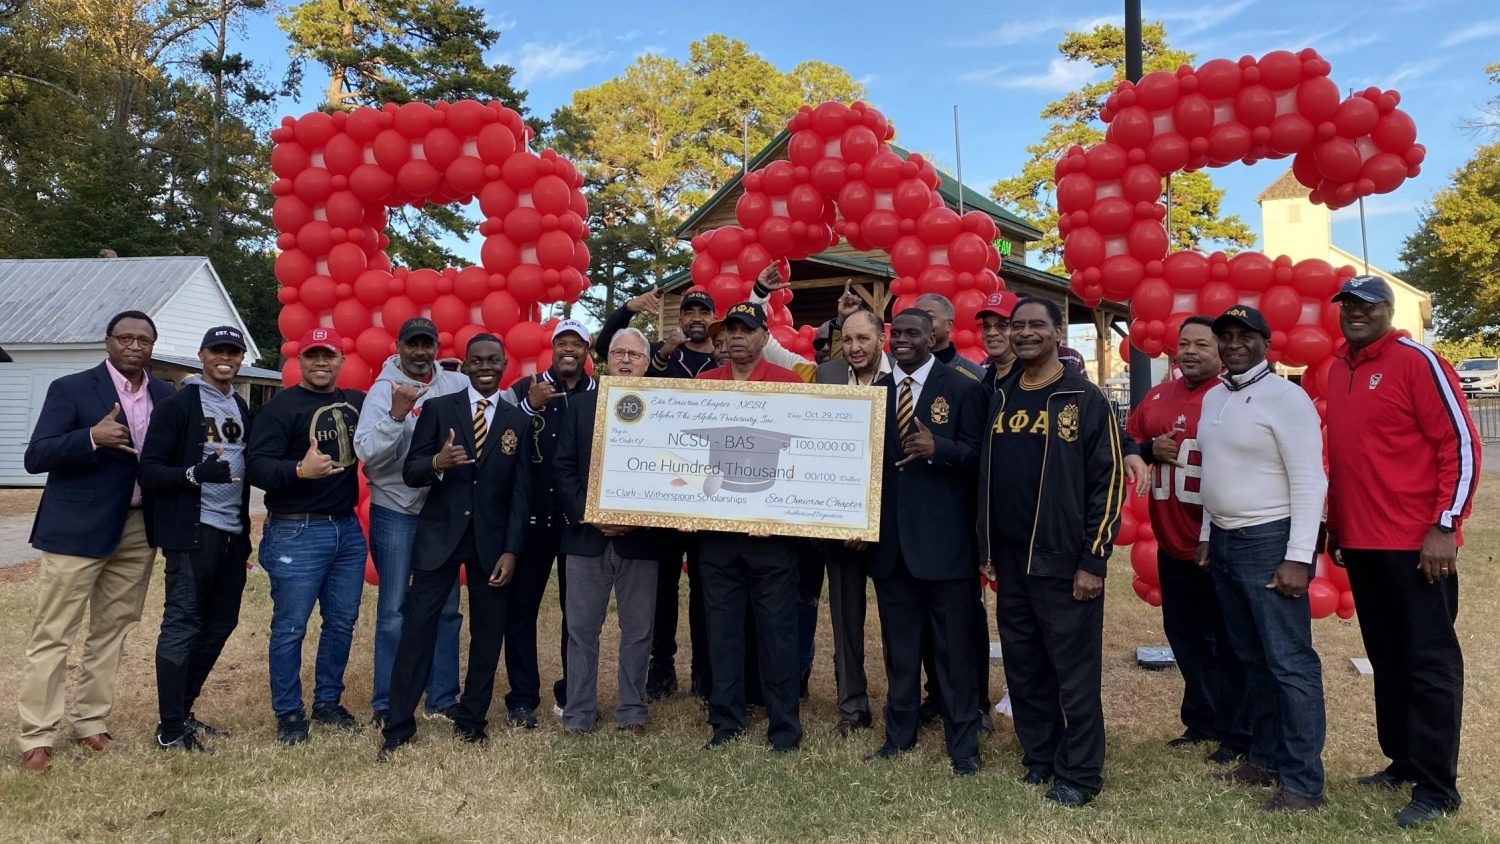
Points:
x=842 y=181
x=1116 y=246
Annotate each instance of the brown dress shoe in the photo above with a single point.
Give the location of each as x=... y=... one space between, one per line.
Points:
x=98 y=742
x=37 y=760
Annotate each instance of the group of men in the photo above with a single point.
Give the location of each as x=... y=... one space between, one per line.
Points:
x=1014 y=470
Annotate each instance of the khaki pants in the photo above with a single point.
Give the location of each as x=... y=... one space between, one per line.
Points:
x=113 y=590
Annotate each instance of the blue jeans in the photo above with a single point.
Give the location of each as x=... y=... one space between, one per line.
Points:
x=1272 y=636
x=392 y=534
x=312 y=562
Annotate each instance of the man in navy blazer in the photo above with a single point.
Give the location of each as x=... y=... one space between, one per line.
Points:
x=472 y=450
x=92 y=532
x=925 y=569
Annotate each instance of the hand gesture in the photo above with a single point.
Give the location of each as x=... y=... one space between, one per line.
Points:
x=647 y=303
x=1137 y=475
x=674 y=338
x=1335 y=553
x=1165 y=448
x=918 y=445
x=315 y=464
x=404 y=397
x=109 y=433
x=770 y=278
x=541 y=392
x=213 y=470
x=849 y=304
x=451 y=454
x=505 y=569
x=1290 y=580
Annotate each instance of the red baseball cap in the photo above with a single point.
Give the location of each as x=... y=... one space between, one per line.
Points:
x=321 y=338
x=1002 y=303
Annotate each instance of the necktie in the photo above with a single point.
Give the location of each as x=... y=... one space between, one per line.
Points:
x=905 y=411
x=481 y=428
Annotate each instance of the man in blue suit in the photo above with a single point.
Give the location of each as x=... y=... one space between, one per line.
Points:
x=91 y=530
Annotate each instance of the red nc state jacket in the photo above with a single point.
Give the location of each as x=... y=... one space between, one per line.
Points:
x=1403 y=454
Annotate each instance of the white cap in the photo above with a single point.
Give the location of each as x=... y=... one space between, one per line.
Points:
x=573 y=326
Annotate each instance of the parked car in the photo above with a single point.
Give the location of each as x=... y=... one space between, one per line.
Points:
x=1479 y=375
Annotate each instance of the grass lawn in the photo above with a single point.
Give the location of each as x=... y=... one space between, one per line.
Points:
x=543 y=786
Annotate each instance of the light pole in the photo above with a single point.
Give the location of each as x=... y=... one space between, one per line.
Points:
x=1140 y=363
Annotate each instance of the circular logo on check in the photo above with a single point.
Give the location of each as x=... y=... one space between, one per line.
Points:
x=629 y=408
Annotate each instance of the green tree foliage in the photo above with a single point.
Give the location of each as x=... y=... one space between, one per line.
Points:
x=658 y=140
x=397 y=51
x=1455 y=252
x=1074 y=119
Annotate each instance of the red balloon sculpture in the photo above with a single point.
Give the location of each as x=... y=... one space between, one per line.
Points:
x=841 y=180
x=1116 y=247
x=337 y=174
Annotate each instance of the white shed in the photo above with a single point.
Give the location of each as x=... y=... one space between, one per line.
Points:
x=53 y=313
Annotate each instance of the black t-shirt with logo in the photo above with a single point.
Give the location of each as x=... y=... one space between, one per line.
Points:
x=280 y=438
x=1018 y=442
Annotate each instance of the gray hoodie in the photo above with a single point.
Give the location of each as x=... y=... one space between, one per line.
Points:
x=381 y=442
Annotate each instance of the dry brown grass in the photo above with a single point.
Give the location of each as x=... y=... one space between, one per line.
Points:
x=543 y=786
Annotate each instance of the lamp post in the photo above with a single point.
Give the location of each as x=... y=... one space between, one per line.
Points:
x=1140 y=363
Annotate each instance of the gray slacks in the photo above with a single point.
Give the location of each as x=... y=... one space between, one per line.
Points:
x=847 y=582
x=590 y=580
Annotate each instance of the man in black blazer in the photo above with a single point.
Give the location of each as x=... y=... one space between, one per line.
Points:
x=193 y=472
x=601 y=559
x=925 y=569
x=471 y=448
x=92 y=531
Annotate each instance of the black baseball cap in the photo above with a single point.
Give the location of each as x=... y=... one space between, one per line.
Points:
x=417 y=327
x=1243 y=315
x=1366 y=288
x=697 y=298
x=224 y=335
x=748 y=314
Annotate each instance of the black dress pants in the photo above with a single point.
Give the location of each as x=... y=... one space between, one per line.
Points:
x=981 y=628
x=1053 y=649
x=533 y=570
x=488 y=608
x=1407 y=626
x=1213 y=678
x=668 y=611
x=757 y=577
x=944 y=607
x=202 y=609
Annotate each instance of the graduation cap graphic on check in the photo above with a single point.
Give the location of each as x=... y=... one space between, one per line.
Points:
x=740 y=459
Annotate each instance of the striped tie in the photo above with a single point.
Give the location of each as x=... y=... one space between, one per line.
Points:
x=481 y=428
x=904 y=409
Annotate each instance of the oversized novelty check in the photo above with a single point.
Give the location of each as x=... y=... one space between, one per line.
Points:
x=786 y=459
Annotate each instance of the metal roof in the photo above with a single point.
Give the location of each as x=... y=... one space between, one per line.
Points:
x=68 y=300
x=249 y=373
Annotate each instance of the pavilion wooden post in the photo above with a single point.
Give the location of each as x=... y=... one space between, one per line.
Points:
x=1102 y=341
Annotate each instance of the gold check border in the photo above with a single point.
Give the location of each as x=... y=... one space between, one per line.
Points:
x=609 y=386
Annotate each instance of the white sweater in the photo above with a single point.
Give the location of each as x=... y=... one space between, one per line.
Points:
x=1263 y=459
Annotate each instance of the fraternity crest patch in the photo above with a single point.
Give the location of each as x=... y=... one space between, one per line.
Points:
x=940 y=410
x=509 y=441
x=1067 y=423
x=1375 y=379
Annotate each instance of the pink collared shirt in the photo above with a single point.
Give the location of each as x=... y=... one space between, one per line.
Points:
x=136 y=405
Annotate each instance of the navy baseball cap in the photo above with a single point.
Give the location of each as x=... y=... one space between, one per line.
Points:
x=1243 y=315
x=417 y=327
x=697 y=299
x=748 y=314
x=223 y=335
x=1366 y=288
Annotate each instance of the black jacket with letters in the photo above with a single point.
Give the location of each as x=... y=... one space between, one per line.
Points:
x=492 y=493
x=174 y=443
x=1082 y=483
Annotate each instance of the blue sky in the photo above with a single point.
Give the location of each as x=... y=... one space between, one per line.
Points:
x=998 y=62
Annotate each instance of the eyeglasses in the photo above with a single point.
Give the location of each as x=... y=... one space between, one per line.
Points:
x=130 y=340
x=625 y=354
x=1358 y=306
x=994 y=326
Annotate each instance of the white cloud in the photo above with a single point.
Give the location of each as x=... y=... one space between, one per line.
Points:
x=1061 y=75
x=1482 y=29
x=1014 y=32
x=1347 y=44
x=505 y=25
x=1195 y=19
x=628 y=36
x=546 y=61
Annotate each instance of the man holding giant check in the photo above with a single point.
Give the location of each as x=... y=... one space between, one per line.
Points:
x=752 y=465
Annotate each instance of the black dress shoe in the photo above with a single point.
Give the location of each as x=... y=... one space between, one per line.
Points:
x=1188 y=738
x=1066 y=795
x=389 y=747
x=1038 y=775
x=1286 y=801
x=721 y=739
x=1419 y=812
x=886 y=751
x=204 y=730
x=1225 y=755
x=1382 y=779
x=470 y=736
x=967 y=767
x=928 y=712
x=660 y=685
x=986 y=720
x=784 y=748
x=523 y=717
x=847 y=725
